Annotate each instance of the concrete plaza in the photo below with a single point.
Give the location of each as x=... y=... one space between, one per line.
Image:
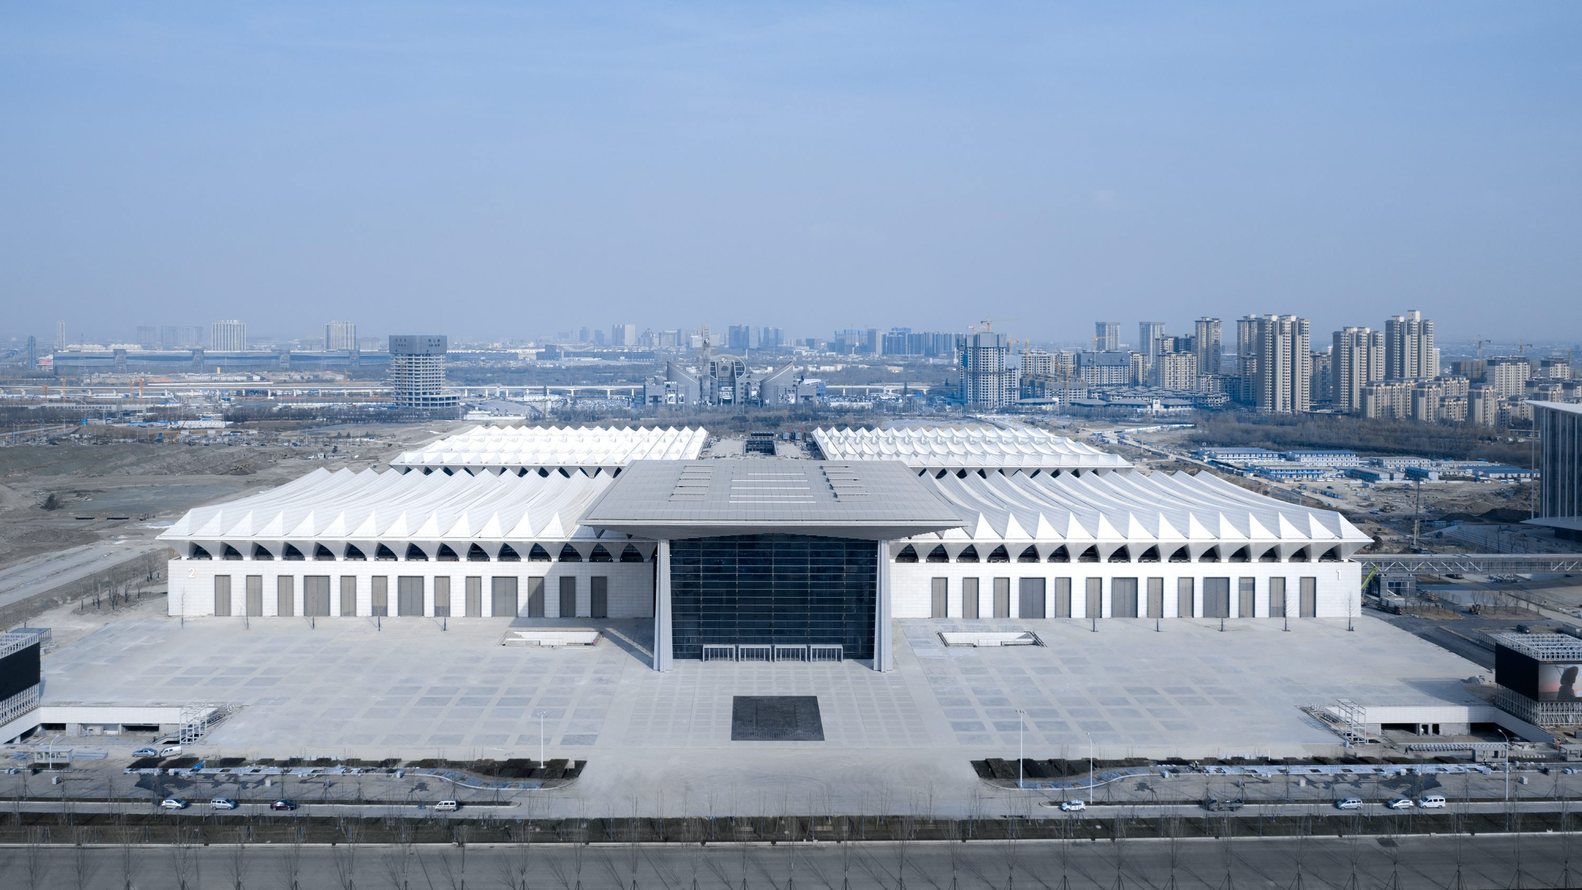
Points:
x=408 y=688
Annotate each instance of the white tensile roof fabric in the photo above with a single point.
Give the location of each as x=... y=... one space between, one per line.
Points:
x=367 y=505
x=949 y=447
x=1133 y=508
x=540 y=446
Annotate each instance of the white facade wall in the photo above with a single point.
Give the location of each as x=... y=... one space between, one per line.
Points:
x=192 y=587
x=1338 y=585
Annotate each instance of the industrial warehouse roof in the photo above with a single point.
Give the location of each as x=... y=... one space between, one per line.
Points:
x=1567 y=407
x=683 y=499
x=523 y=447
x=346 y=505
x=1133 y=508
x=965 y=447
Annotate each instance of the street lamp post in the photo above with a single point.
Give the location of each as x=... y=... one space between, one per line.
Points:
x=1021 y=722
x=1090 y=765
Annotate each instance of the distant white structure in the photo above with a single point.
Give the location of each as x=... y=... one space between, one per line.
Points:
x=228 y=336
x=417 y=372
x=340 y=336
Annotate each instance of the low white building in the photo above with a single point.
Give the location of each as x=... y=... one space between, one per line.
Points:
x=751 y=553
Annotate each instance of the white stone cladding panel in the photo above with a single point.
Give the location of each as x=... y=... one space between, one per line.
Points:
x=1339 y=585
x=631 y=586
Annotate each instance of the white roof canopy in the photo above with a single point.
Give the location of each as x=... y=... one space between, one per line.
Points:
x=965 y=447
x=519 y=447
x=1134 y=509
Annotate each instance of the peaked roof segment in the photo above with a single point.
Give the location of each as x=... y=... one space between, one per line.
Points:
x=519 y=447
x=343 y=505
x=965 y=447
x=1133 y=508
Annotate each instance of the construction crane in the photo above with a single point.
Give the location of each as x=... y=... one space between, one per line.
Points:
x=1481 y=344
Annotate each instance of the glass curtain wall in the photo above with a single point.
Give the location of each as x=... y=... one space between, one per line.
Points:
x=773 y=589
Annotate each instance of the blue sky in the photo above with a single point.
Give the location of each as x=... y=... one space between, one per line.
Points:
x=514 y=169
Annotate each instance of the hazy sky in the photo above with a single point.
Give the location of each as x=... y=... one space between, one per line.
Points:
x=511 y=168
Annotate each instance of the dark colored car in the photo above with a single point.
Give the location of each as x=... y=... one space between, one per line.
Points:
x=283 y=805
x=1223 y=804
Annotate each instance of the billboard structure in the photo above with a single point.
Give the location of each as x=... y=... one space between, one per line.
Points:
x=1540 y=677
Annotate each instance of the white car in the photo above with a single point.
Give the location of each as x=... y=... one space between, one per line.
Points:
x=223 y=803
x=1401 y=803
x=172 y=751
x=1072 y=806
x=173 y=803
x=1349 y=803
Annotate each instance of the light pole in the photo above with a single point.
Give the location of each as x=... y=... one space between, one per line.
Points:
x=1507 y=737
x=1090 y=764
x=541 y=762
x=1021 y=722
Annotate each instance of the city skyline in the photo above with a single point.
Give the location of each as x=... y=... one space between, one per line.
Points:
x=824 y=162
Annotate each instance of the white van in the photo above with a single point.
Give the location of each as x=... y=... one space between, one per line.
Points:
x=447 y=806
x=172 y=751
x=1431 y=802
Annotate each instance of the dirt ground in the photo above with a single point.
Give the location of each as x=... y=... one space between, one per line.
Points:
x=103 y=483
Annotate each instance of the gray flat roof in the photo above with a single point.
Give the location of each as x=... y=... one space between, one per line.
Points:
x=878 y=500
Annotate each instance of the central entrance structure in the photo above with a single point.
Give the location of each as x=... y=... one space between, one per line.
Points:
x=817 y=578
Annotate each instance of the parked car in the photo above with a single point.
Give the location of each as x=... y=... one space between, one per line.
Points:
x=1223 y=804
x=170 y=751
x=1349 y=803
x=447 y=806
x=173 y=803
x=283 y=805
x=1073 y=806
x=223 y=803
x=141 y=753
x=1400 y=803
x=1431 y=802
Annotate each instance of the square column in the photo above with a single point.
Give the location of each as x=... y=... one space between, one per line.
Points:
x=882 y=658
x=662 y=646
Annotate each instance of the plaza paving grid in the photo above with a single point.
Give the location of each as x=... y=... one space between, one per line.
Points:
x=349 y=689
x=776 y=718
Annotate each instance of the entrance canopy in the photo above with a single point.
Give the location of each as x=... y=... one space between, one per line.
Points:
x=671 y=500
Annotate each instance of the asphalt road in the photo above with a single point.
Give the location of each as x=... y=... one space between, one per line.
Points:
x=43 y=573
x=1404 y=861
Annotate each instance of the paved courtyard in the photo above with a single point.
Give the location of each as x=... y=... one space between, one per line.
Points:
x=349 y=688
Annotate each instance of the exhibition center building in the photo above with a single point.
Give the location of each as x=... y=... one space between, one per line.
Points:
x=738 y=556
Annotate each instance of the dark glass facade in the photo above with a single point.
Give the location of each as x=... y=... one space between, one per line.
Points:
x=773 y=589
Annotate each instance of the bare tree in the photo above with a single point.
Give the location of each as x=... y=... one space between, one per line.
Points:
x=37 y=865
x=398 y=862
x=236 y=860
x=291 y=861
x=181 y=857
x=82 y=864
x=344 y=854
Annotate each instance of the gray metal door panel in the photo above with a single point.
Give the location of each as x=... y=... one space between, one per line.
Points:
x=1062 y=597
x=1002 y=597
x=1123 y=598
x=939 y=600
x=1247 y=601
x=1095 y=598
x=1276 y=597
x=348 y=595
x=380 y=595
x=599 y=597
x=474 y=596
x=1216 y=597
x=409 y=595
x=535 y=597
x=1309 y=595
x=1030 y=596
x=1184 y=605
x=568 y=597
x=442 y=597
x=255 y=595
x=1156 y=597
x=969 y=597
x=316 y=596
x=502 y=595
x=285 y=597
x=222 y=595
